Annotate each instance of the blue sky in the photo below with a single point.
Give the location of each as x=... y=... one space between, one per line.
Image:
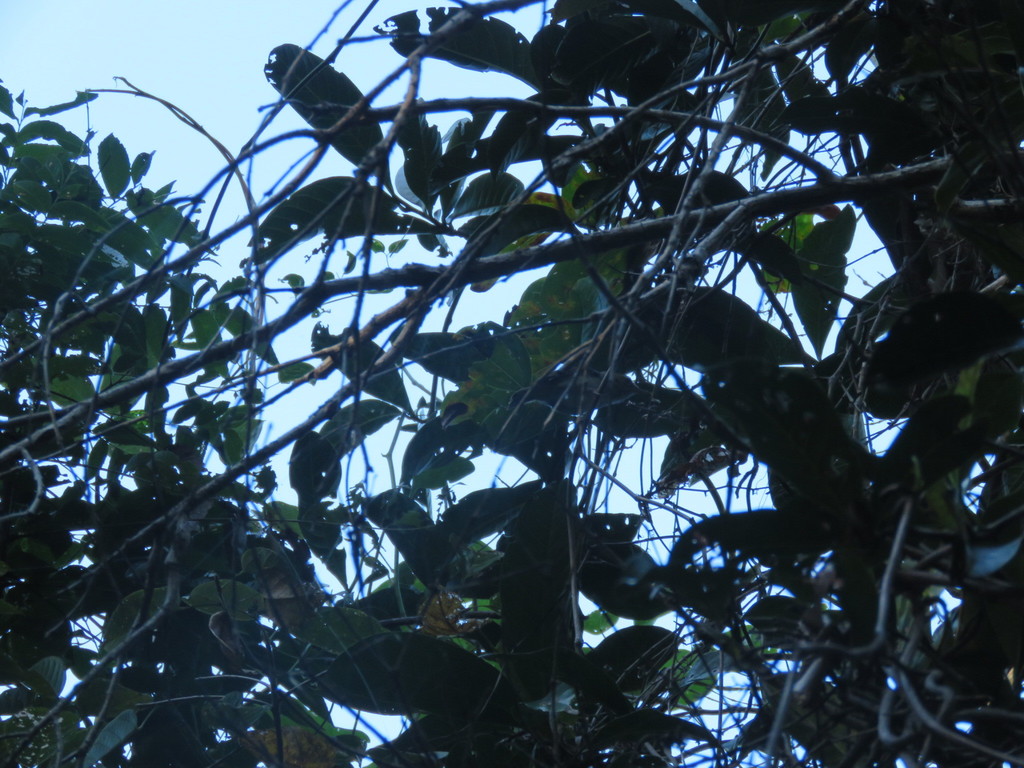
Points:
x=206 y=56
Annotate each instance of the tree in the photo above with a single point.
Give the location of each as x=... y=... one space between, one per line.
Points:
x=684 y=190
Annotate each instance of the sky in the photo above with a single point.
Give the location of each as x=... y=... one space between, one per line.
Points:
x=205 y=56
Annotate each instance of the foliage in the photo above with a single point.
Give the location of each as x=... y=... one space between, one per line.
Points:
x=826 y=567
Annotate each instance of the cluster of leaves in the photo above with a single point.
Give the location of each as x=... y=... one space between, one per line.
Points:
x=699 y=170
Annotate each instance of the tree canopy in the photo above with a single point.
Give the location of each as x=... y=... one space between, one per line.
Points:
x=668 y=416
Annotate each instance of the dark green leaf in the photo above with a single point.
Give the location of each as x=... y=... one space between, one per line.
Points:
x=483 y=44
x=635 y=655
x=488 y=235
x=715 y=326
x=404 y=673
x=114 y=168
x=322 y=96
x=488 y=194
x=83 y=97
x=648 y=726
x=451 y=355
x=140 y=166
x=790 y=424
x=114 y=733
x=823 y=258
x=337 y=628
x=338 y=208
x=535 y=575
x=741 y=13
x=421 y=145
x=943 y=333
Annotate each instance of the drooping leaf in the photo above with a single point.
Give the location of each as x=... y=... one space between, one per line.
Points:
x=114 y=733
x=356 y=362
x=823 y=259
x=715 y=326
x=789 y=423
x=482 y=44
x=83 y=97
x=114 y=167
x=943 y=333
x=451 y=355
x=338 y=208
x=322 y=96
x=404 y=673
x=535 y=574
x=487 y=194
x=421 y=146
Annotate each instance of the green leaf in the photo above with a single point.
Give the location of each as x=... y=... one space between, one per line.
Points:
x=895 y=130
x=634 y=656
x=488 y=235
x=451 y=355
x=789 y=423
x=140 y=166
x=114 y=733
x=114 y=168
x=943 y=333
x=83 y=97
x=488 y=194
x=409 y=674
x=424 y=547
x=322 y=96
x=483 y=44
x=823 y=256
x=356 y=362
x=337 y=207
x=421 y=146
x=743 y=13
x=482 y=513
x=648 y=726
x=535 y=574
x=241 y=601
x=294 y=372
x=715 y=326
x=337 y=628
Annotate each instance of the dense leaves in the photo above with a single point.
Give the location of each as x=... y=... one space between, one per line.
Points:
x=702 y=474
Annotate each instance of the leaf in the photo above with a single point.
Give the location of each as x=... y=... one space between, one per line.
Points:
x=482 y=513
x=535 y=574
x=424 y=547
x=714 y=326
x=943 y=333
x=301 y=747
x=932 y=444
x=635 y=655
x=140 y=166
x=421 y=145
x=984 y=559
x=789 y=423
x=404 y=673
x=83 y=97
x=322 y=96
x=483 y=45
x=114 y=168
x=488 y=235
x=337 y=628
x=488 y=194
x=895 y=131
x=647 y=726
x=336 y=207
x=114 y=733
x=451 y=355
x=823 y=257
x=566 y=9
x=241 y=601
x=757 y=12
